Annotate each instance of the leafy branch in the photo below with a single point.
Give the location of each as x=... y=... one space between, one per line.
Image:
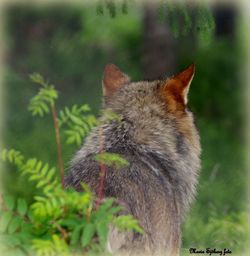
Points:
x=78 y=122
x=58 y=222
x=40 y=104
x=111 y=159
x=44 y=176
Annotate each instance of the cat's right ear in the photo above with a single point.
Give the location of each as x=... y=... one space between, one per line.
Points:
x=113 y=79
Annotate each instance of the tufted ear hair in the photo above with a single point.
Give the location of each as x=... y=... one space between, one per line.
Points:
x=175 y=89
x=113 y=79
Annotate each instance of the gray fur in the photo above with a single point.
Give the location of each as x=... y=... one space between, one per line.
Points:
x=159 y=184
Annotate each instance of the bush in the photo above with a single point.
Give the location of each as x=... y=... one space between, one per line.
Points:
x=58 y=220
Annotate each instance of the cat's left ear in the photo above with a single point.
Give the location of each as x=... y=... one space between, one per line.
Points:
x=176 y=88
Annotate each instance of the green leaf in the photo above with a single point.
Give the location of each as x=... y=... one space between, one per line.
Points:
x=78 y=139
x=10 y=240
x=69 y=222
x=44 y=169
x=37 y=78
x=14 y=224
x=114 y=210
x=40 y=104
x=88 y=233
x=75 y=235
x=104 y=207
x=41 y=183
x=21 y=206
x=127 y=222
x=76 y=120
x=111 y=159
x=9 y=202
x=85 y=108
x=38 y=166
x=44 y=107
x=50 y=174
x=70 y=140
x=34 y=177
x=5 y=220
x=102 y=231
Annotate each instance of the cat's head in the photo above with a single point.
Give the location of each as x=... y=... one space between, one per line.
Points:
x=154 y=108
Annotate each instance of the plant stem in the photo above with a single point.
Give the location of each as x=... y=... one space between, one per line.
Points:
x=58 y=143
x=102 y=173
x=63 y=231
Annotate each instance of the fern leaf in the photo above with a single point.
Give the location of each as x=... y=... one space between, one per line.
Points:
x=40 y=104
x=5 y=220
x=88 y=233
x=9 y=202
x=127 y=222
x=15 y=223
x=78 y=123
x=22 y=206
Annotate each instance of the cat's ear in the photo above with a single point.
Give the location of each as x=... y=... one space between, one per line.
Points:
x=113 y=79
x=176 y=88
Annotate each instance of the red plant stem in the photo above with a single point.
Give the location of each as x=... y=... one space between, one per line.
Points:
x=63 y=231
x=58 y=143
x=102 y=173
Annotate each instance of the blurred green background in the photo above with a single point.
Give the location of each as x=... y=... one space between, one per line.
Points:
x=70 y=45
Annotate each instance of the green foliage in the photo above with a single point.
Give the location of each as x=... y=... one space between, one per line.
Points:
x=40 y=104
x=205 y=25
x=15 y=228
x=44 y=176
x=109 y=115
x=111 y=159
x=55 y=246
x=183 y=20
x=229 y=231
x=125 y=6
x=13 y=156
x=110 y=4
x=78 y=121
x=58 y=221
x=111 y=7
x=127 y=222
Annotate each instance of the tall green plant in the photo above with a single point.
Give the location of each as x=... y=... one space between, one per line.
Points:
x=60 y=221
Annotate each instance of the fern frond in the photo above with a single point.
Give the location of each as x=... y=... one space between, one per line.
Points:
x=53 y=246
x=58 y=203
x=37 y=78
x=111 y=159
x=109 y=115
x=127 y=222
x=78 y=122
x=12 y=156
x=46 y=207
x=14 y=223
x=40 y=104
x=44 y=176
